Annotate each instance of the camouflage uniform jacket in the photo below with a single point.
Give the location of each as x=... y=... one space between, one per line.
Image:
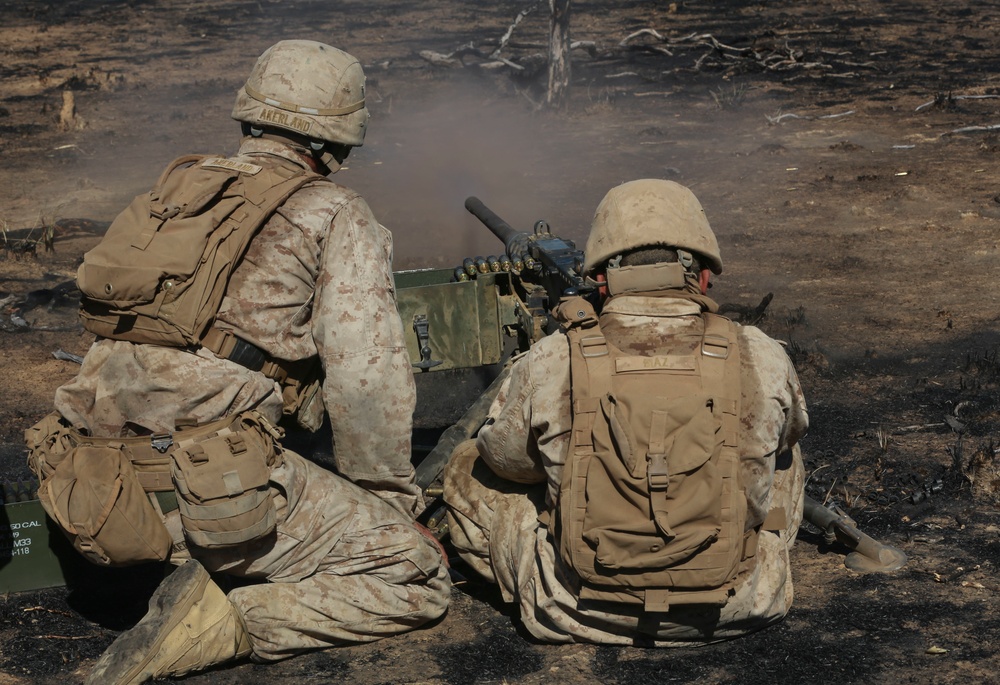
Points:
x=316 y=281
x=528 y=437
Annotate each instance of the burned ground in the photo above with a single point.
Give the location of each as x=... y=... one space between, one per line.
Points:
x=846 y=154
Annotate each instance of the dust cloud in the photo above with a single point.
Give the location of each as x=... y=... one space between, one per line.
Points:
x=425 y=157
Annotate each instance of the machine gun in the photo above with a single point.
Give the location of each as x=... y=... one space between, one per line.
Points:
x=545 y=268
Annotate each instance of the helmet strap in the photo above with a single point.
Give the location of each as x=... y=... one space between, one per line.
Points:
x=600 y=281
x=324 y=158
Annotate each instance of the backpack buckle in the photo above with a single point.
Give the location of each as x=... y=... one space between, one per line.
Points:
x=593 y=346
x=716 y=346
x=657 y=471
x=161 y=442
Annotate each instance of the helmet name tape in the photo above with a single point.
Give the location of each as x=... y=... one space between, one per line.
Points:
x=291 y=107
x=273 y=116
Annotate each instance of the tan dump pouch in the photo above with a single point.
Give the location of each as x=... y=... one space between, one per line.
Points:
x=222 y=482
x=92 y=492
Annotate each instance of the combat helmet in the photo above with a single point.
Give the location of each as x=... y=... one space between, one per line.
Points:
x=650 y=212
x=308 y=88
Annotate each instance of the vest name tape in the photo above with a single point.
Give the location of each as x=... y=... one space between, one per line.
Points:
x=667 y=362
x=242 y=167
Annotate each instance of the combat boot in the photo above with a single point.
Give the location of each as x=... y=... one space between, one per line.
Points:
x=190 y=626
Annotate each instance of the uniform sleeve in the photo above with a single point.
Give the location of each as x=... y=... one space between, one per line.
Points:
x=368 y=387
x=796 y=416
x=506 y=442
x=527 y=436
x=774 y=418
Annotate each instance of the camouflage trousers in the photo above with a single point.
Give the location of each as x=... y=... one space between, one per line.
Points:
x=343 y=567
x=494 y=527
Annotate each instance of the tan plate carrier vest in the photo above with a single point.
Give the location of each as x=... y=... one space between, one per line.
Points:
x=651 y=508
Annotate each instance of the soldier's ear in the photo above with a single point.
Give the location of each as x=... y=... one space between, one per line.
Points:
x=704 y=282
x=602 y=290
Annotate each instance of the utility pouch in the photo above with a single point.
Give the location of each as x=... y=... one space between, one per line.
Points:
x=93 y=493
x=222 y=486
x=301 y=391
x=95 y=497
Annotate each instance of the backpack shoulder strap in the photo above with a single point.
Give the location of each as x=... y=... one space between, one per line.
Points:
x=720 y=368
x=590 y=366
x=179 y=162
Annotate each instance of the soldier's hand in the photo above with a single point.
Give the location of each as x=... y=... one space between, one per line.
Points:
x=426 y=532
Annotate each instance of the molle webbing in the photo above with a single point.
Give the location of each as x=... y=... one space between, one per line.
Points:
x=222 y=482
x=150 y=454
x=651 y=510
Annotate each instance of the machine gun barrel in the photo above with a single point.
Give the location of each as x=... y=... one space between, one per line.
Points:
x=500 y=228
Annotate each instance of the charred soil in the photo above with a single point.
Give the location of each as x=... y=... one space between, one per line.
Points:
x=847 y=156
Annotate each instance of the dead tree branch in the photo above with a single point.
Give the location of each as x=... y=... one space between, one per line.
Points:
x=942 y=99
x=505 y=38
x=973 y=129
x=778 y=118
x=635 y=53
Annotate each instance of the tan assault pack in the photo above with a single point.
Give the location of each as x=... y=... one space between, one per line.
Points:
x=160 y=273
x=651 y=509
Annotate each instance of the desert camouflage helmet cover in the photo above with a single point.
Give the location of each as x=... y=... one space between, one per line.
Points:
x=650 y=212
x=309 y=88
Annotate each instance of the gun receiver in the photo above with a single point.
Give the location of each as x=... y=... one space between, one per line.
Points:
x=548 y=260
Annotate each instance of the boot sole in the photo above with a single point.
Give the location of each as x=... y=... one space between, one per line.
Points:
x=132 y=651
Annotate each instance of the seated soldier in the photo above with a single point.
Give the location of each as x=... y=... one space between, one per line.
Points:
x=639 y=481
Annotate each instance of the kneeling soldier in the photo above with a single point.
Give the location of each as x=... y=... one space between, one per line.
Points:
x=237 y=290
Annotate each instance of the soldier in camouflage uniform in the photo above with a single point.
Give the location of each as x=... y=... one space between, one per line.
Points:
x=347 y=563
x=503 y=489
